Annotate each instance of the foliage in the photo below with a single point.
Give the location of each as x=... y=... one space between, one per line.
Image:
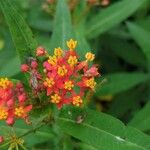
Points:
x=119 y=35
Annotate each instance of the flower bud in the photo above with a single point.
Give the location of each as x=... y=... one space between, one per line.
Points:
x=19 y=85
x=34 y=64
x=10 y=121
x=22 y=97
x=10 y=103
x=24 y=68
x=1 y=139
x=40 y=51
x=105 y=2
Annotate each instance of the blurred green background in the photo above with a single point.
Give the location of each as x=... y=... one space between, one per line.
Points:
x=119 y=35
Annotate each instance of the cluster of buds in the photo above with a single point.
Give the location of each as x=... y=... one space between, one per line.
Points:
x=32 y=68
x=13 y=102
x=65 y=79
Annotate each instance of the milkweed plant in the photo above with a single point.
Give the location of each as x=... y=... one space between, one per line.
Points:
x=77 y=76
x=61 y=78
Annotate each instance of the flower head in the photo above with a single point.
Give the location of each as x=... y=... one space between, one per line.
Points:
x=12 y=99
x=64 y=78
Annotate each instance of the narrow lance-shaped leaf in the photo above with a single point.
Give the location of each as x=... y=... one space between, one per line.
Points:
x=83 y=47
x=120 y=82
x=20 y=32
x=112 y=16
x=102 y=131
x=62 y=26
x=141 y=36
x=141 y=120
x=27 y=132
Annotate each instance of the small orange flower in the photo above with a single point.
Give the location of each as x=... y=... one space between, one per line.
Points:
x=62 y=70
x=49 y=82
x=71 y=44
x=72 y=60
x=68 y=85
x=58 y=52
x=77 y=101
x=3 y=113
x=89 y=56
x=5 y=83
x=55 y=98
x=90 y=83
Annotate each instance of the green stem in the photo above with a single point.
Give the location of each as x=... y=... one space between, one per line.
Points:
x=5 y=144
x=22 y=147
x=17 y=148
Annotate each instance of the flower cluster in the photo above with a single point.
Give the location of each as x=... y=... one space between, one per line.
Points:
x=13 y=101
x=65 y=79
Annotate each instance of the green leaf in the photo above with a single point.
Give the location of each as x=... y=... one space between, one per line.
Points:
x=125 y=101
x=62 y=26
x=112 y=16
x=38 y=136
x=83 y=146
x=83 y=47
x=102 y=131
x=125 y=50
x=6 y=70
x=67 y=143
x=8 y=57
x=39 y=20
x=142 y=119
x=119 y=82
x=20 y=32
x=141 y=36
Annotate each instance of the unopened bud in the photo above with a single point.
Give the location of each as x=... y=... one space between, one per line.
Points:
x=40 y=51
x=34 y=64
x=22 y=97
x=24 y=68
x=10 y=103
x=1 y=139
x=10 y=121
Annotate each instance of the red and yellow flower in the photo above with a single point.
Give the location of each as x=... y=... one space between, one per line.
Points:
x=64 y=73
x=12 y=101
